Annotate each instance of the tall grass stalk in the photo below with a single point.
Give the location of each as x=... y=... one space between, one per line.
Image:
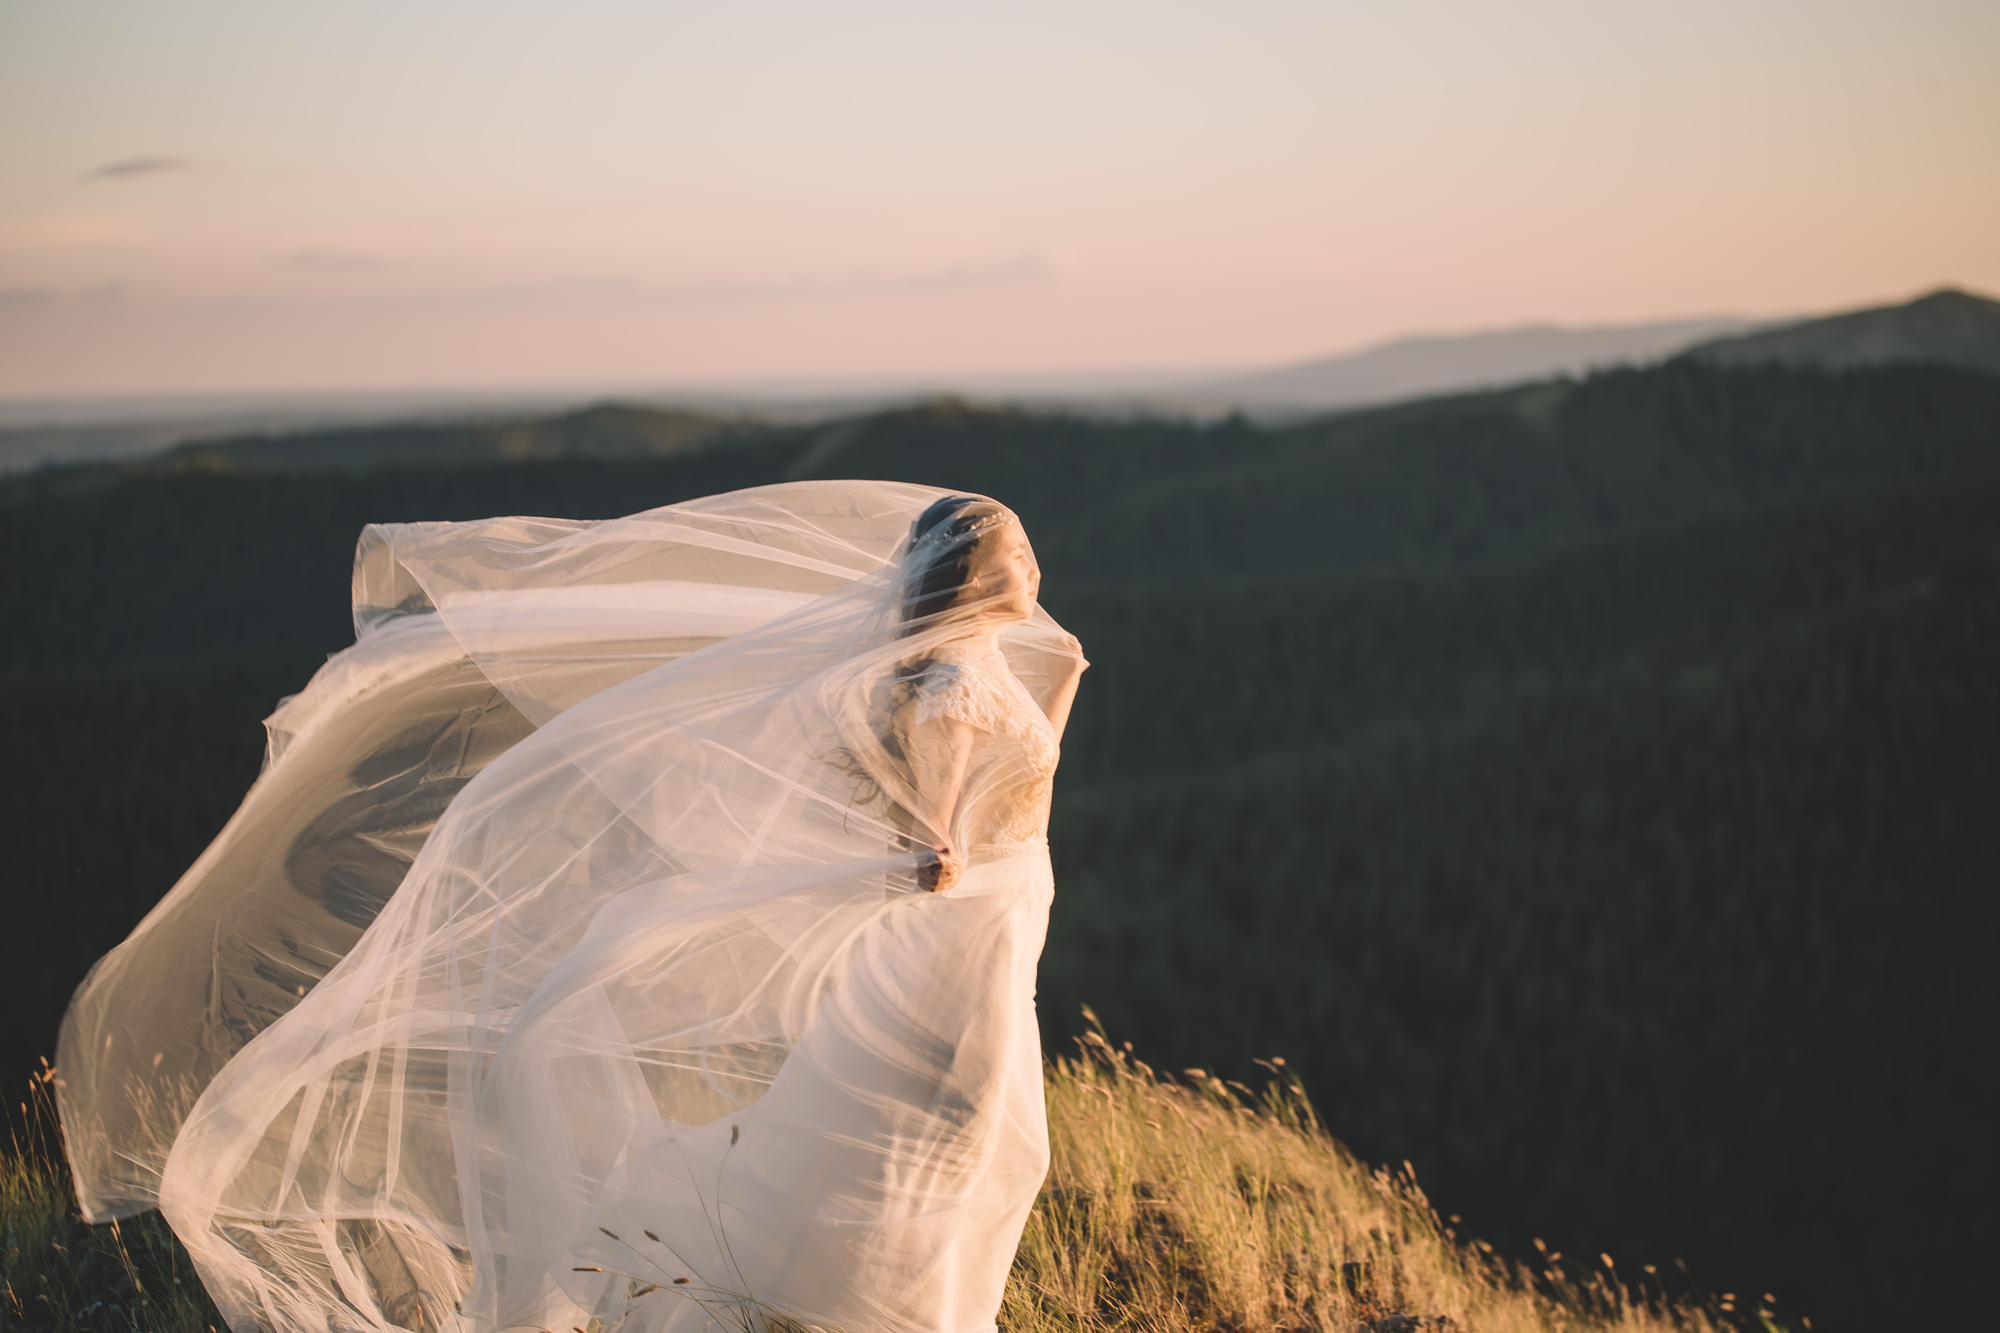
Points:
x=59 y=1274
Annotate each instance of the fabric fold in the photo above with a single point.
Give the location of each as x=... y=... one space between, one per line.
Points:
x=580 y=899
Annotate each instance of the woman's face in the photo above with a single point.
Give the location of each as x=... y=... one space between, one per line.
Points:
x=1002 y=578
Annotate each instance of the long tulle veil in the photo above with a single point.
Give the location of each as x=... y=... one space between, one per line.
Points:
x=558 y=859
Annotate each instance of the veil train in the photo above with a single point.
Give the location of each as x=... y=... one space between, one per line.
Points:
x=565 y=967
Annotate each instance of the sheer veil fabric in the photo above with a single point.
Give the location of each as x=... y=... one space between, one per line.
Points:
x=571 y=960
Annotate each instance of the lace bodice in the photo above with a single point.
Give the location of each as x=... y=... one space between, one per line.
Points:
x=1010 y=771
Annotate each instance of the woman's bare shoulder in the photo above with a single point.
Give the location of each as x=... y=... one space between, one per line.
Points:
x=957 y=680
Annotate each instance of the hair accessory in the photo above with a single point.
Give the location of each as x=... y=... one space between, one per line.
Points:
x=943 y=535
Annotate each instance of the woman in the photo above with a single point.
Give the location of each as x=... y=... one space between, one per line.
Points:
x=709 y=993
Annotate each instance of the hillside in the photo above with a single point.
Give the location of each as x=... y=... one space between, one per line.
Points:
x=68 y=430
x=1581 y=784
x=255 y=559
x=1179 y=1206
x=37 y=432
x=1947 y=327
x=1681 y=878
x=609 y=431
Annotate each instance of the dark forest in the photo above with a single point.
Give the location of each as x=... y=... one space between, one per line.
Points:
x=1586 y=787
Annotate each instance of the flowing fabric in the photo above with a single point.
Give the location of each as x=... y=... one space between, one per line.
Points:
x=567 y=967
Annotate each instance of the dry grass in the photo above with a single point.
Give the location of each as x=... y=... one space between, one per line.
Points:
x=58 y=1274
x=1192 y=1204
x=1173 y=1206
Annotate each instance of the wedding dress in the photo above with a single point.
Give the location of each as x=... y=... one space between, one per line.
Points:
x=570 y=966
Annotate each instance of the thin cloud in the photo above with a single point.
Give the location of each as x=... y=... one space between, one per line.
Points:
x=1025 y=270
x=137 y=166
x=328 y=261
x=24 y=296
x=1029 y=269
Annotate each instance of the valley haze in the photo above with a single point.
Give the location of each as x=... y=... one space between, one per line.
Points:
x=1946 y=325
x=41 y=430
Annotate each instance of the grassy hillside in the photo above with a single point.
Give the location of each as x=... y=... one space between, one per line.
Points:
x=1175 y=1206
x=1582 y=785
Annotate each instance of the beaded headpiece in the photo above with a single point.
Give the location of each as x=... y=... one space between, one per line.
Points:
x=943 y=534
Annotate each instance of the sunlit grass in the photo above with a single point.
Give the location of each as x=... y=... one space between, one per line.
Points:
x=58 y=1273
x=1188 y=1203
x=1173 y=1203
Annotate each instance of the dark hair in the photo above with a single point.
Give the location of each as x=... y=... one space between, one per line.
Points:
x=938 y=558
x=937 y=562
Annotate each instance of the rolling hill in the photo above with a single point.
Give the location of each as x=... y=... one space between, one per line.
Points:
x=1946 y=327
x=609 y=431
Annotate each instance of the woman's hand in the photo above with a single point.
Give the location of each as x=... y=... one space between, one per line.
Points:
x=938 y=868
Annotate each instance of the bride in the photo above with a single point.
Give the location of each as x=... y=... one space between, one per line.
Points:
x=635 y=929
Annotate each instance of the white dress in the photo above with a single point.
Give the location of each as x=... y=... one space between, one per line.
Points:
x=651 y=1027
x=905 y=1131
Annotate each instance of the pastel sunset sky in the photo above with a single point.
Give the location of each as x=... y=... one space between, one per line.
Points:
x=219 y=195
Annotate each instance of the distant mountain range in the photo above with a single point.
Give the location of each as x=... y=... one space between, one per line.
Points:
x=366 y=430
x=1949 y=327
x=1443 y=363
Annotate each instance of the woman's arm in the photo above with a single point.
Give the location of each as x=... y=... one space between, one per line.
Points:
x=939 y=752
x=1065 y=671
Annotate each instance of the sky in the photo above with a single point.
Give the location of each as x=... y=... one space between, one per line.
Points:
x=211 y=196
